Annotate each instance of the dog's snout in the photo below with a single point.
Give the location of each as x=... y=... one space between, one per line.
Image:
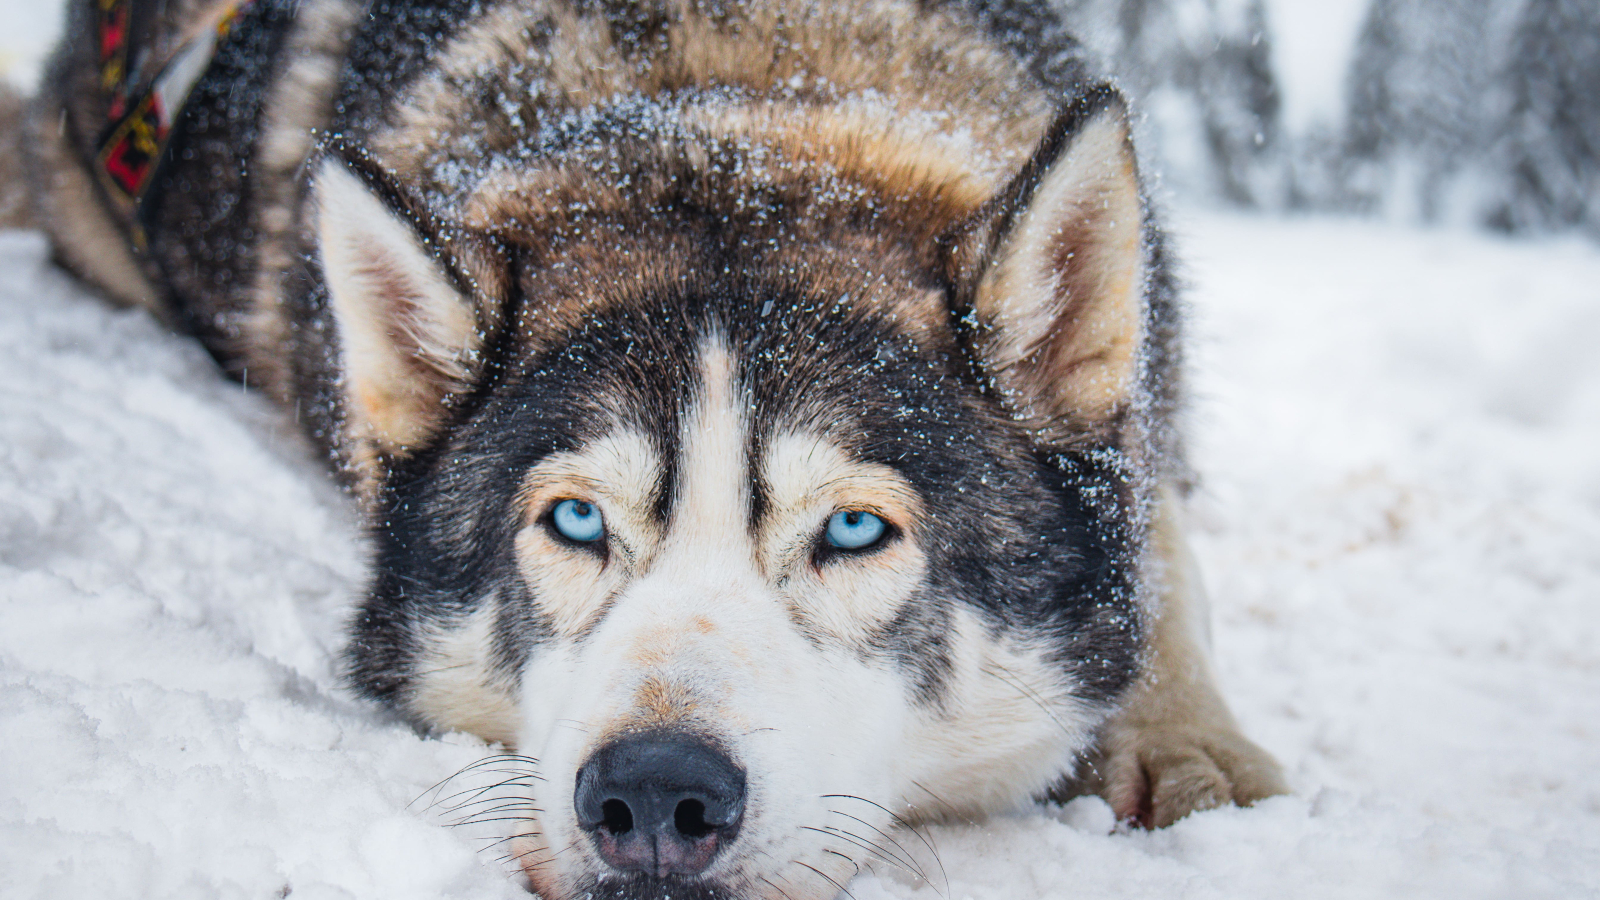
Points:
x=661 y=803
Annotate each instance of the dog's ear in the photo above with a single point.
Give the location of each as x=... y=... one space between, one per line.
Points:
x=409 y=317
x=1050 y=276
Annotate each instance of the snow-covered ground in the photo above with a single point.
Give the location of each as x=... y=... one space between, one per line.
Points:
x=1400 y=434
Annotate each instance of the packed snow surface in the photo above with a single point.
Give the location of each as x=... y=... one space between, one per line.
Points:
x=1399 y=433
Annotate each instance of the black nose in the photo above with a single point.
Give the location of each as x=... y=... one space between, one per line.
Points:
x=661 y=803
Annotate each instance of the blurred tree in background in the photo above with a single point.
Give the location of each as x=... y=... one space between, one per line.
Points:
x=1203 y=71
x=1550 y=144
x=1464 y=111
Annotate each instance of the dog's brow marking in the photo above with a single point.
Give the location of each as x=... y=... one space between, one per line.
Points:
x=714 y=497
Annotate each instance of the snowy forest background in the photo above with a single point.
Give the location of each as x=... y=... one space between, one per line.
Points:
x=1483 y=112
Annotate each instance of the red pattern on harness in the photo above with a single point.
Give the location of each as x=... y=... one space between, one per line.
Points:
x=141 y=116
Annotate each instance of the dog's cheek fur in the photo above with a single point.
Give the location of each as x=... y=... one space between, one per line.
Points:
x=444 y=541
x=569 y=587
x=1010 y=720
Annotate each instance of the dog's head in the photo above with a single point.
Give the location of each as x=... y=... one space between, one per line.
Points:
x=762 y=509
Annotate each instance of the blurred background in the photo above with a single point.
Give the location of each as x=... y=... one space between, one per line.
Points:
x=1460 y=112
x=1480 y=112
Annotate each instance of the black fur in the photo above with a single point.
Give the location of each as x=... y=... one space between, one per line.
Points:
x=392 y=43
x=198 y=211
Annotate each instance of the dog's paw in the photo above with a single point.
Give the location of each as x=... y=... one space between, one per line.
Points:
x=1156 y=775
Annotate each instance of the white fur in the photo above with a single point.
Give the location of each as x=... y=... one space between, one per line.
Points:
x=456 y=688
x=617 y=473
x=808 y=479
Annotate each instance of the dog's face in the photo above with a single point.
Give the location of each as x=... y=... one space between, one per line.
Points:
x=742 y=536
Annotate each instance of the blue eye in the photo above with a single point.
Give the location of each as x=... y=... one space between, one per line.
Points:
x=578 y=521
x=854 y=529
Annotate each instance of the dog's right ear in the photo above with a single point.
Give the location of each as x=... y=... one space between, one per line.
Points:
x=1049 y=277
x=411 y=324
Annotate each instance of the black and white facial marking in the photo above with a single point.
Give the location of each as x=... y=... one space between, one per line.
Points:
x=945 y=666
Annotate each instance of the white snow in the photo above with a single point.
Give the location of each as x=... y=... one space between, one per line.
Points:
x=1400 y=524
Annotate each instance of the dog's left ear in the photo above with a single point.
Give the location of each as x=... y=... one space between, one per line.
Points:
x=1051 y=276
x=412 y=299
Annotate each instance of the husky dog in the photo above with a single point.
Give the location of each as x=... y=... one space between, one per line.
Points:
x=765 y=411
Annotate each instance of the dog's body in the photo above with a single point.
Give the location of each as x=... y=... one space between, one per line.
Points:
x=764 y=410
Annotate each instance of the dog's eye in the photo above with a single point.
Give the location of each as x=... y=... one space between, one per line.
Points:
x=577 y=520
x=854 y=529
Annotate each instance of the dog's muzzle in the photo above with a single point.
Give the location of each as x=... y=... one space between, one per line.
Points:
x=660 y=803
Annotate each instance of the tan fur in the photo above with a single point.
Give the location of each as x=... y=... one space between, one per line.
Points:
x=458 y=688
x=86 y=239
x=916 y=63
x=1174 y=744
x=16 y=209
x=407 y=335
x=808 y=477
x=662 y=703
x=617 y=474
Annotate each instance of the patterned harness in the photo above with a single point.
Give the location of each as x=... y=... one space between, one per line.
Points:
x=148 y=79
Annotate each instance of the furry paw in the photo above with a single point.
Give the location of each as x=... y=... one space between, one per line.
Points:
x=1156 y=775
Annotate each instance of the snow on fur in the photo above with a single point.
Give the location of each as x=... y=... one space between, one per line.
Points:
x=1399 y=523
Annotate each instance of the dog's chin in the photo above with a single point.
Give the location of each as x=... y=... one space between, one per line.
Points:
x=590 y=879
x=635 y=886
x=586 y=883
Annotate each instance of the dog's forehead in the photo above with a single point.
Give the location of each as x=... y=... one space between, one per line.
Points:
x=765 y=268
x=819 y=340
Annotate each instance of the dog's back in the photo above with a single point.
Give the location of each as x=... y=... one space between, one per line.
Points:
x=936 y=104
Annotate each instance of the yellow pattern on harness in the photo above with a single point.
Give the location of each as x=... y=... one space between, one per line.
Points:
x=142 y=115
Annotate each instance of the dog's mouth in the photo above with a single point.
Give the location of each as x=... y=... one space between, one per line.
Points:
x=641 y=887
